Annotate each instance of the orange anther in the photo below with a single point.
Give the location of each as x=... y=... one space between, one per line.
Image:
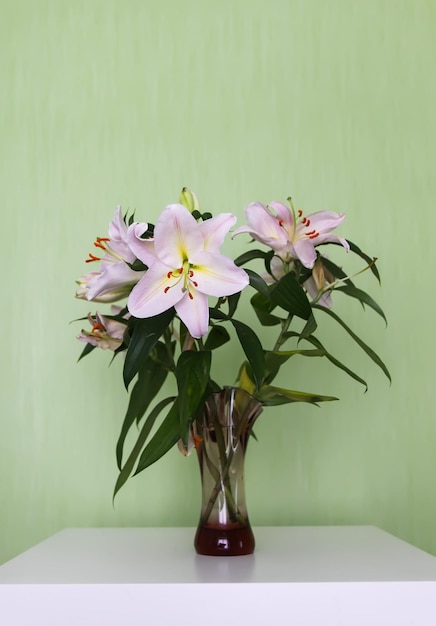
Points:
x=92 y=258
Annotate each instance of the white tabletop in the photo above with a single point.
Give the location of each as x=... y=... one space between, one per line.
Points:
x=315 y=575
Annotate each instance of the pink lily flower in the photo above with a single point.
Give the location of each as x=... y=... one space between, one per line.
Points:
x=290 y=234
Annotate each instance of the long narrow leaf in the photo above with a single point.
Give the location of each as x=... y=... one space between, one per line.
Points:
x=163 y=440
x=250 y=256
x=273 y=396
x=368 y=259
x=142 y=438
x=146 y=334
x=150 y=381
x=369 y=351
x=253 y=349
x=192 y=372
x=363 y=297
x=86 y=350
x=274 y=360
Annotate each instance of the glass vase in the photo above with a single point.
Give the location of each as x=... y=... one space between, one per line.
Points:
x=221 y=434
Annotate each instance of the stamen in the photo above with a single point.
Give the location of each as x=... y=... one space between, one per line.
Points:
x=280 y=222
x=92 y=258
x=97 y=327
x=97 y=244
x=166 y=290
x=304 y=220
x=311 y=232
x=195 y=283
x=169 y=275
x=300 y=212
x=307 y=222
x=314 y=235
x=102 y=239
x=191 y=297
x=191 y=273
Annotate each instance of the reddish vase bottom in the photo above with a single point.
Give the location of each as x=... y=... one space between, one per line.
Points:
x=218 y=540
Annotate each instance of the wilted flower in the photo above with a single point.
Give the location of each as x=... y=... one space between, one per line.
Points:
x=105 y=332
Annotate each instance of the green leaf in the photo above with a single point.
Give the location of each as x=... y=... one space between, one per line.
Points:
x=146 y=333
x=86 y=350
x=163 y=354
x=372 y=355
x=309 y=327
x=274 y=360
x=369 y=260
x=163 y=440
x=233 y=302
x=250 y=256
x=252 y=348
x=273 y=396
x=363 y=297
x=192 y=372
x=262 y=307
x=289 y=295
x=217 y=337
x=150 y=381
x=142 y=438
x=334 y=269
x=315 y=342
x=257 y=282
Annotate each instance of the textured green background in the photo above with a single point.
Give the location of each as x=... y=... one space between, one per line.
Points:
x=105 y=102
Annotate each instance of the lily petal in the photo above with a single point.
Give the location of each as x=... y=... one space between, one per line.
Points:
x=217 y=275
x=263 y=226
x=142 y=248
x=115 y=276
x=215 y=229
x=151 y=296
x=177 y=236
x=194 y=313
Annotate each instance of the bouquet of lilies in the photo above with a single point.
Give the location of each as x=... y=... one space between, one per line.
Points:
x=181 y=304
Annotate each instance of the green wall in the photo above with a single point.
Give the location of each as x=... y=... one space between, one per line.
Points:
x=105 y=102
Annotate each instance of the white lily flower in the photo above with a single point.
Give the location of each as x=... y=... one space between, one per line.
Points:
x=290 y=234
x=115 y=276
x=187 y=268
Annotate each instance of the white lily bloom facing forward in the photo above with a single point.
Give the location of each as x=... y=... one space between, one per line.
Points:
x=290 y=234
x=187 y=268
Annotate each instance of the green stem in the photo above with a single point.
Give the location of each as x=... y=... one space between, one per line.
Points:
x=221 y=475
x=280 y=339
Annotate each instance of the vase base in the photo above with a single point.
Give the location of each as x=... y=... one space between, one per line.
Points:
x=224 y=540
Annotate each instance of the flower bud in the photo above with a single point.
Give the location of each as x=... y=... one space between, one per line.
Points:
x=189 y=200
